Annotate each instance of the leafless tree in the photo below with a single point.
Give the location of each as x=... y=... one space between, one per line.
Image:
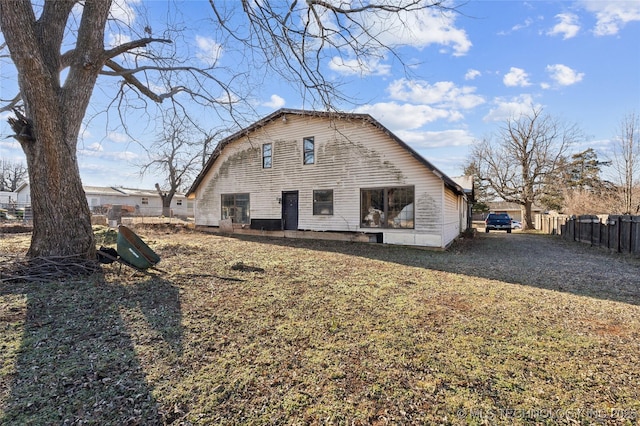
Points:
x=525 y=152
x=12 y=174
x=59 y=53
x=626 y=162
x=583 y=202
x=175 y=155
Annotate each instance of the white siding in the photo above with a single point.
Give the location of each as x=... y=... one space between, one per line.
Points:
x=7 y=197
x=109 y=196
x=452 y=217
x=350 y=155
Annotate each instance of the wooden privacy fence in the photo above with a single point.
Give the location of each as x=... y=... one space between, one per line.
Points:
x=618 y=233
x=550 y=224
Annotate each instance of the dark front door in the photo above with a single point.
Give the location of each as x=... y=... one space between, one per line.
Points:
x=290 y=210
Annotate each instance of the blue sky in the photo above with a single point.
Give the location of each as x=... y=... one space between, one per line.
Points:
x=469 y=71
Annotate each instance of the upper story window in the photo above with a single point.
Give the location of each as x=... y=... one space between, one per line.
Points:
x=267 y=155
x=178 y=202
x=145 y=200
x=309 y=154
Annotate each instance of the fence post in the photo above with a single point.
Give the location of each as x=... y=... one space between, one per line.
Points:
x=604 y=233
x=635 y=234
x=616 y=233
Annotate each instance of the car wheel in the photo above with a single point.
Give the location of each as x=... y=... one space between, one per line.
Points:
x=486 y=230
x=508 y=231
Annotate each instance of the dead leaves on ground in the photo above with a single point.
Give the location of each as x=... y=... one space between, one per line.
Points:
x=259 y=332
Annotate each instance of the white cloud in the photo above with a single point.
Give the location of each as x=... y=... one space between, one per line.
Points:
x=118 y=156
x=420 y=29
x=612 y=15
x=508 y=108
x=117 y=39
x=446 y=138
x=472 y=74
x=118 y=137
x=275 y=102
x=359 y=67
x=96 y=147
x=568 y=26
x=209 y=51
x=526 y=24
x=443 y=93
x=122 y=10
x=563 y=75
x=11 y=144
x=516 y=77
x=406 y=116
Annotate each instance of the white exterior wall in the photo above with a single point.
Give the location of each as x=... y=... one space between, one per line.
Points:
x=7 y=197
x=453 y=216
x=357 y=156
x=154 y=208
x=24 y=195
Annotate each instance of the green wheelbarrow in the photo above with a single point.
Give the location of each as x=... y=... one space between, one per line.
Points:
x=133 y=251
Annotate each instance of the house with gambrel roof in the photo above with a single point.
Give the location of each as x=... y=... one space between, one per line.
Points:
x=304 y=173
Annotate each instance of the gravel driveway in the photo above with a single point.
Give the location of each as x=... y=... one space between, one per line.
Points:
x=548 y=262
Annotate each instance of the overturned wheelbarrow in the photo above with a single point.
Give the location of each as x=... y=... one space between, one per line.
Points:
x=131 y=251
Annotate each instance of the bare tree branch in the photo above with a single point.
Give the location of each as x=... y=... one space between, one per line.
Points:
x=135 y=44
x=527 y=151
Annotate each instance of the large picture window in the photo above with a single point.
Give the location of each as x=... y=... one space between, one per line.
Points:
x=387 y=207
x=236 y=207
x=323 y=202
x=309 y=155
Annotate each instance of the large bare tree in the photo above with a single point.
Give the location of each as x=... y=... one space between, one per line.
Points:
x=58 y=49
x=626 y=162
x=522 y=155
x=12 y=174
x=175 y=155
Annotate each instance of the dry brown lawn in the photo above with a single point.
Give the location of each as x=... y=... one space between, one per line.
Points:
x=270 y=331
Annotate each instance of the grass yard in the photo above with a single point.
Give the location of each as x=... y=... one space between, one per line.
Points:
x=258 y=331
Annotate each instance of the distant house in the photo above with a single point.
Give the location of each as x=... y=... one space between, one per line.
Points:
x=330 y=173
x=514 y=210
x=466 y=182
x=7 y=198
x=140 y=202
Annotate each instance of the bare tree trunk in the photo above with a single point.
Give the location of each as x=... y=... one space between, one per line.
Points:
x=61 y=216
x=627 y=160
x=527 y=219
x=53 y=112
x=166 y=197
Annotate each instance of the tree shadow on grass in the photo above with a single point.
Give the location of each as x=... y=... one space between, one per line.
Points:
x=76 y=362
x=535 y=260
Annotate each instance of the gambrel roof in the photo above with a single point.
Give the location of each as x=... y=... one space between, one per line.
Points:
x=282 y=113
